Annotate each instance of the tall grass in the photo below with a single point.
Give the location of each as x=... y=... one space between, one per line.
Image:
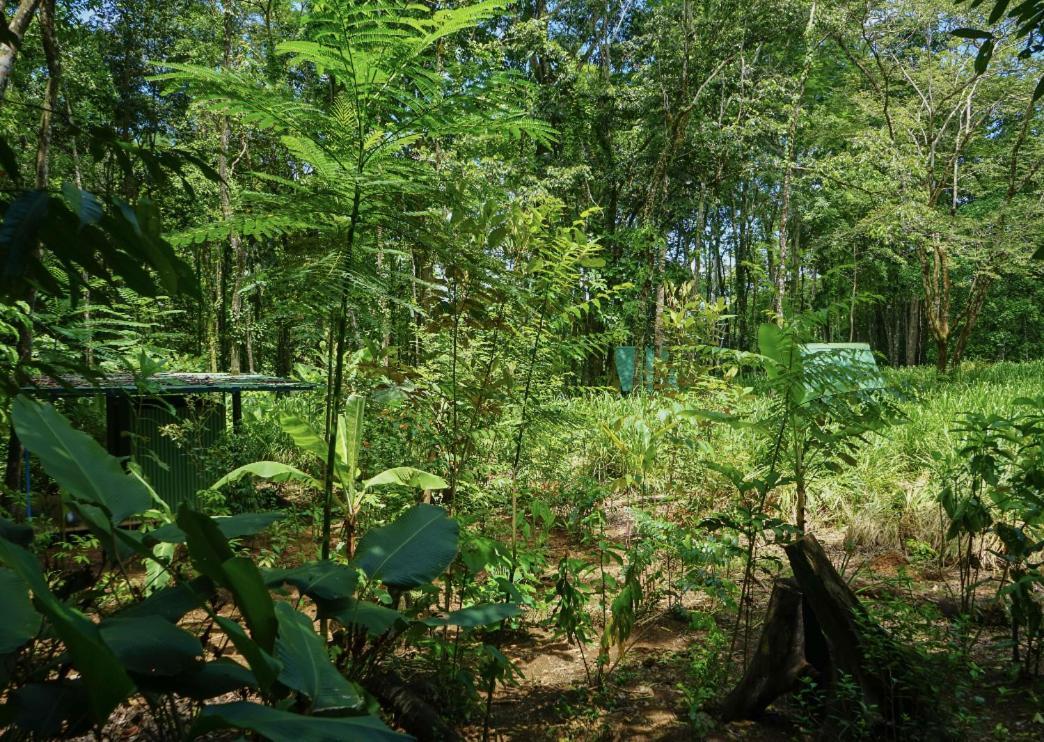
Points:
x=890 y=495
x=886 y=499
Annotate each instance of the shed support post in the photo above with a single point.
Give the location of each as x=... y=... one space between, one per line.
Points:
x=117 y=425
x=237 y=410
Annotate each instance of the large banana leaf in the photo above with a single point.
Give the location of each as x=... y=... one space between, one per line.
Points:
x=273 y=471
x=106 y=680
x=407 y=476
x=306 y=665
x=411 y=551
x=306 y=438
x=349 y=436
x=303 y=435
x=76 y=462
x=284 y=726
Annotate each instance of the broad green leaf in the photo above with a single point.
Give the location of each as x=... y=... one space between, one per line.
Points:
x=207 y=547
x=264 y=666
x=19 y=237
x=325 y=580
x=231 y=526
x=17 y=533
x=52 y=709
x=483 y=614
x=349 y=435
x=982 y=59
x=151 y=645
x=999 y=7
x=215 y=679
x=85 y=205
x=373 y=618
x=284 y=726
x=171 y=603
x=1038 y=92
x=205 y=682
x=19 y=622
x=211 y=555
x=303 y=435
x=306 y=665
x=253 y=600
x=76 y=462
x=272 y=471
x=107 y=682
x=411 y=551
x=971 y=33
x=407 y=476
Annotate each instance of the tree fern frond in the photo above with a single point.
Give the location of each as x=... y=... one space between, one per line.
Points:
x=250 y=225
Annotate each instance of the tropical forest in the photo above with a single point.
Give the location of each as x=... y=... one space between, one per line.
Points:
x=561 y=370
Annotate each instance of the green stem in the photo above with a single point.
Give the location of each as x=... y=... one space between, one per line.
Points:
x=338 y=380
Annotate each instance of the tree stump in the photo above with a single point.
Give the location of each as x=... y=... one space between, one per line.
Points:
x=780 y=660
x=816 y=626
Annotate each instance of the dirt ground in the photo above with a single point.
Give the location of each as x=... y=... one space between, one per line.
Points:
x=554 y=700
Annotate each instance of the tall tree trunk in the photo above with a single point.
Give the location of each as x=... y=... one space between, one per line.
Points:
x=790 y=157
x=913 y=332
x=216 y=328
x=742 y=259
x=236 y=245
x=935 y=276
x=43 y=161
x=50 y=102
x=18 y=24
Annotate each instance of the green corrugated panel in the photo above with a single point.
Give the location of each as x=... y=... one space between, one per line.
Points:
x=839 y=368
x=173 y=467
x=624 y=358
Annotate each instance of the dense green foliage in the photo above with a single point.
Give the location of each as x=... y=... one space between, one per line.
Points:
x=463 y=225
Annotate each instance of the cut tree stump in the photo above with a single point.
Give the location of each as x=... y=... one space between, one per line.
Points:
x=816 y=626
x=780 y=660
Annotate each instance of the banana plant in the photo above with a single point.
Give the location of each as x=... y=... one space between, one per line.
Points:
x=351 y=493
x=144 y=648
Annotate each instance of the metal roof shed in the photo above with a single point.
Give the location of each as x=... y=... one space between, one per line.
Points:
x=832 y=369
x=138 y=411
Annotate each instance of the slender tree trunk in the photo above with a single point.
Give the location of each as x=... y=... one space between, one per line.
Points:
x=913 y=331
x=237 y=247
x=790 y=157
x=43 y=160
x=18 y=24
x=50 y=102
x=742 y=281
x=215 y=329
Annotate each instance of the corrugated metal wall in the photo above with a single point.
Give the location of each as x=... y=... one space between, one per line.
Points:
x=174 y=466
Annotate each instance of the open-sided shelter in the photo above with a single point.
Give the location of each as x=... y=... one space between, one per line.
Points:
x=138 y=414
